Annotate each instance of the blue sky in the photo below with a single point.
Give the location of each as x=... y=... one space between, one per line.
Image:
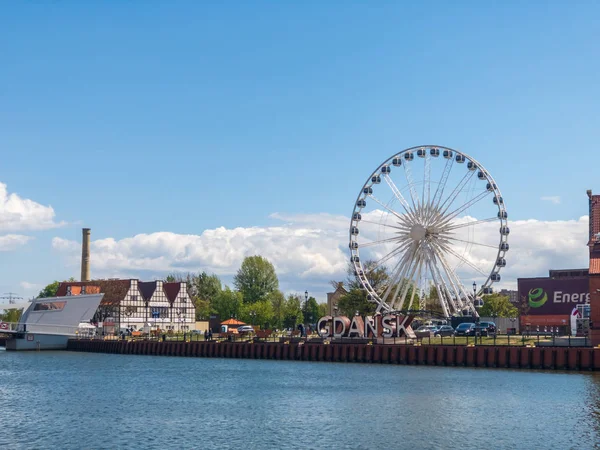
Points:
x=188 y=116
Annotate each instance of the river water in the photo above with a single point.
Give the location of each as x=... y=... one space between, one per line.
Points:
x=70 y=400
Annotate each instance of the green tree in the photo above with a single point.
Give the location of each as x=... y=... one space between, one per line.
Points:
x=228 y=303
x=323 y=310
x=310 y=310
x=277 y=300
x=292 y=312
x=256 y=279
x=258 y=313
x=495 y=305
x=202 y=288
x=50 y=290
x=11 y=315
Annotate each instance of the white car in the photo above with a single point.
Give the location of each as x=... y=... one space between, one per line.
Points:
x=245 y=329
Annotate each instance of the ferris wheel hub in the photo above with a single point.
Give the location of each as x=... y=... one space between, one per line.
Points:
x=418 y=232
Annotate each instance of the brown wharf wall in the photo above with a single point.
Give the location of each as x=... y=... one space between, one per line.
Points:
x=558 y=358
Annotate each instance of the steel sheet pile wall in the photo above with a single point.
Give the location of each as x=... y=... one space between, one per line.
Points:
x=558 y=358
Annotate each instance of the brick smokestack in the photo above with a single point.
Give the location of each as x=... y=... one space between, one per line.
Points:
x=85 y=255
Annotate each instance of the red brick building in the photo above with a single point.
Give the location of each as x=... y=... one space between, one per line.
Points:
x=594 y=272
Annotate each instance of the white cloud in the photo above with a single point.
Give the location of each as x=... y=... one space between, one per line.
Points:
x=555 y=199
x=10 y=242
x=309 y=250
x=18 y=213
x=29 y=286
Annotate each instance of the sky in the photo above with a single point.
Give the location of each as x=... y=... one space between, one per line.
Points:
x=188 y=135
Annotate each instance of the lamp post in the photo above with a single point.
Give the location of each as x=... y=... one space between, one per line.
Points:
x=305 y=310
x=253 y=315
x=335 y=310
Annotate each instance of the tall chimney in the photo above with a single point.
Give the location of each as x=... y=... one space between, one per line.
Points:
x=85 y=255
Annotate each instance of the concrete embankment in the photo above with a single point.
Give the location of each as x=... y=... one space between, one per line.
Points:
x=557 y=358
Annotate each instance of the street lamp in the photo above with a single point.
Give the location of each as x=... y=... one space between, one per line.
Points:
x=335 y=310
x=305 y=310
x=253 y=315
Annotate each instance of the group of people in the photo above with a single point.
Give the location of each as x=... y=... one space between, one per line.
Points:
x=208 y=335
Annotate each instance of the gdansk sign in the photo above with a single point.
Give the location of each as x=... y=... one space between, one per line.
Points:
x=387 y=326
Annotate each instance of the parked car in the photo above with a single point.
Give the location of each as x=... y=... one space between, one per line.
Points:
x=485 y=329
x=425 y=331
x=465 y=329
x=245 y=329
x=444 y=330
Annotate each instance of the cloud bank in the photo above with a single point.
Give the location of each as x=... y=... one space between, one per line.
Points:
x=310 y=250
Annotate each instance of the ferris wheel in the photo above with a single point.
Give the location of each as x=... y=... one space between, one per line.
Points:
x=432 y=220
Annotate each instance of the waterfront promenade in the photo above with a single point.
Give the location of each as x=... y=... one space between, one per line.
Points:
x=550 y=358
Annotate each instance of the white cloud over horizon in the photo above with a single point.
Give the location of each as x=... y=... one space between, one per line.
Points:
x=18 y=214
x=309 y=250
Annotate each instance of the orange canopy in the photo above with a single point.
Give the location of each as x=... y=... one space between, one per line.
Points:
x=232 y=322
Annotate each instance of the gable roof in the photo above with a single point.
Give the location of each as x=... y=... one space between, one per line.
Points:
x=147 y=289
x=171 y=290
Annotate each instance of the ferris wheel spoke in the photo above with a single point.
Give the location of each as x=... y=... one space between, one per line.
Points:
x=454 y=194
x=439 y=192
x=400 y=271
x=399 y=216
x=403 y=228
x=382 y=241
x=390 y=255
x=467 y=205
x=441 y=290
x=454 y=281
x=414 y=287
x=405 y=282
x=448 y=238
x=469 y=224
x=426 y=179
x=463 y=259
x=409 y=211
x=411 y=186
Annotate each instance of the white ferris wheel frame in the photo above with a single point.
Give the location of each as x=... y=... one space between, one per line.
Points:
x=453 y=296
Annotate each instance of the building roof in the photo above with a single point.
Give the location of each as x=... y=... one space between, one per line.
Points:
x=147 y=289
x=172 y=289
x=114 y=290
x=233 y=322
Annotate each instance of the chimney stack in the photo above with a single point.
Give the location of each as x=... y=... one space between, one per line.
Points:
x=85 y=255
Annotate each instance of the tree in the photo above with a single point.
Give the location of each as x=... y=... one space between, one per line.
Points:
x=277 y=300
x=256 y=279
x=323 y=310
x=202 y=288
x=292 y=312
x=258 y=313
x=11 y=315
x=310 y=310
x=228 y=303
x=50 y=290
x=495 y=305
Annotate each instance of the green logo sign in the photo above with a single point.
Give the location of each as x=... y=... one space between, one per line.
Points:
x=537 y=297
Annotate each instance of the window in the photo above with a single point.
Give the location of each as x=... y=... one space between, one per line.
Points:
x=50 y=306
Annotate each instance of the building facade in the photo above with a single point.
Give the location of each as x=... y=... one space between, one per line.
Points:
x=594 y=270
x=138 y=305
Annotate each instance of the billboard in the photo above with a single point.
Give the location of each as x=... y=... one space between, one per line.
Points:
x=558 y=296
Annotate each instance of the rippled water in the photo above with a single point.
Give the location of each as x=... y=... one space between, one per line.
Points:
x=77 y=400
